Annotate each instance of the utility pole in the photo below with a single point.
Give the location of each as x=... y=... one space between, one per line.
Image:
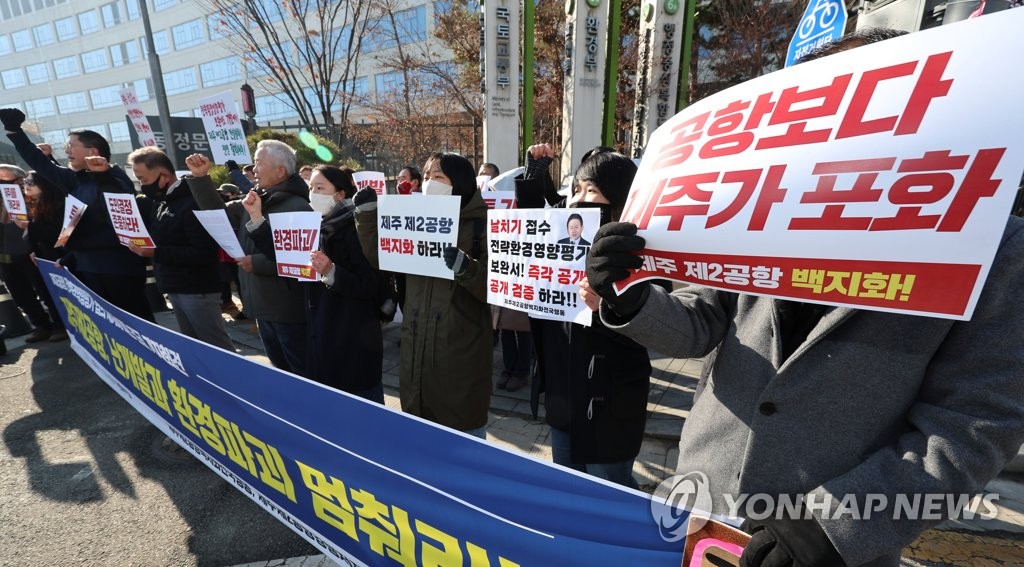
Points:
x=158 y=85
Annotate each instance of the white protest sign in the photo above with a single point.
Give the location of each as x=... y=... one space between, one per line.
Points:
x=880 y=178
x=224 y=129
x=73 y=211
x=536 y=259
x=296 y=235
x=482 y=182
x=499 y=199
x=127 y=221
x=14 y=201
x=373 y=179
x=219 y=227
x=413 y=231
x=137 y=117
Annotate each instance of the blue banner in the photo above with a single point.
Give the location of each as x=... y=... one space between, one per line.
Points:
x=365 y=484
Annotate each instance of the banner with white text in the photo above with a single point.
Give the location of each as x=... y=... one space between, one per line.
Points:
x=879 y=178
x=365 y=484
x=537 y=258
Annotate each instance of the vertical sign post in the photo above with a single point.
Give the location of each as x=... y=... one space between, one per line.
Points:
x=499 y=45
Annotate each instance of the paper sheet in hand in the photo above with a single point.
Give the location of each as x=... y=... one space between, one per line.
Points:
x=216 y=223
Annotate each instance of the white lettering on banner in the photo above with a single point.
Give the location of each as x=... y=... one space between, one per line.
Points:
x=843 y=179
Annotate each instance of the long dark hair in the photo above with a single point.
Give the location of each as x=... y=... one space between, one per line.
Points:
x=341 y=179
x=459 y=170
x=50 y=203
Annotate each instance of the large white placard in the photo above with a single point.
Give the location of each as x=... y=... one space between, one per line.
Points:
x=127 y=220
x=138 y=118
x=413 y=231
x=500 y=199
x=537 y=258
x=14 y=201
x=879 y=178
x=224 y=129
x=296 y=235
x=373 y=179
x=217 y=224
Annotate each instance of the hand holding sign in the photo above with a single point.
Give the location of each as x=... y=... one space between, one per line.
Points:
x=611 y=258
x=321 y=263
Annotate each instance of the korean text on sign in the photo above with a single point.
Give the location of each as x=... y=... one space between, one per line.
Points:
x=848 y=159
x=14 y=202
x=537 y=259
x=137 y=117
x=224 y=129
x=374 y=179
x=414 y=230
x=127 y=220
x=296 y=236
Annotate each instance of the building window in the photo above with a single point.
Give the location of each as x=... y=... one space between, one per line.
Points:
x=160 y=41
x=74 y=102
x=95 y=60
x=180 y=81
x=100 y=129
x=119 y=132
x=38 y=73
x=105 y=97
x=13 y=78
x=273 y=108
x=388 y=83
x=159 y=5
x=44 y=35
x=216 y=27
x=89 y=22
x=188 y=34
x=55 y=138
x=220 y=71
x=66 y=28
x=40 y=107
x=142 y=88
x=111 y=14
x=22 y=40
x=5 y=44
x=133 y=9
x=65 y=67
x=124 y=53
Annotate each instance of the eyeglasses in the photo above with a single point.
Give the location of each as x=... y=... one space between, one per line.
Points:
x=30 y=182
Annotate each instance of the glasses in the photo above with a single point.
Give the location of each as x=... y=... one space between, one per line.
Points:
x=30 y=182
x=68 y=147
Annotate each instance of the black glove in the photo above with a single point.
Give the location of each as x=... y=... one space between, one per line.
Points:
x=363 y=199
x=788 y=543
x=536 y=167
x=611 y=258
x=12 y=119
x=231 y=164
x=456 y=260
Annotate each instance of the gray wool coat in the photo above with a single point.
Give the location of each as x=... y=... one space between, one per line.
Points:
x=871 y=403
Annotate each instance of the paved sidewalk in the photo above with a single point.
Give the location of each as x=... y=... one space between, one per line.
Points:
x=969 y=542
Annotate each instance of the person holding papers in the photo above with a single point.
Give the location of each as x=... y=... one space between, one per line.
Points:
x=93 y=253
x=447 y=345
x=46 y=217
x=185 y=258
x=845 y=411
x=276 y=302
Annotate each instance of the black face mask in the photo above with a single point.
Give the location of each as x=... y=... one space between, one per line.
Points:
x=606 y=209
x=153 y=190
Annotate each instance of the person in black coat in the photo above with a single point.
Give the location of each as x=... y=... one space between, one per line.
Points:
x=46 y=217
x=346 y=346
x=595 y=381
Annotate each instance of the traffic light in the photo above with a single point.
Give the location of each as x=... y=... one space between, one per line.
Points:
x=248 y=101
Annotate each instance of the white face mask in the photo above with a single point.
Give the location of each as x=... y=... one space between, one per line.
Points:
x=321 y=203
x=433 y=187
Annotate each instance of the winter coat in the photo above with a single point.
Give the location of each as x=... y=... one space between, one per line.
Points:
x=346 y=346
x=43 y=232
x=93 y=246
x=447 y=341
x=185 y=259
x=595 y=385
x=265 y=295
x=871 y=404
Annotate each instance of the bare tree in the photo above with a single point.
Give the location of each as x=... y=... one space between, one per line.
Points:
x=305 y=52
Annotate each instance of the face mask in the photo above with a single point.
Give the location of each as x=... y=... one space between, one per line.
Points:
x=152 y=190
x=321 y=203
x=606 y=209
x=432 y=187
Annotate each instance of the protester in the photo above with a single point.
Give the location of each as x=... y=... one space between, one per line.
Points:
x=409 y=180
x=229 y=192
x=346 y=346
x=831 y=402
x=277 y=303
x=20 y=275
x=185 y=257
x=595 y=382
x=94 y=253
x=46 y=217
x=488 y=169
x=447 y=351
x=227 y=267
